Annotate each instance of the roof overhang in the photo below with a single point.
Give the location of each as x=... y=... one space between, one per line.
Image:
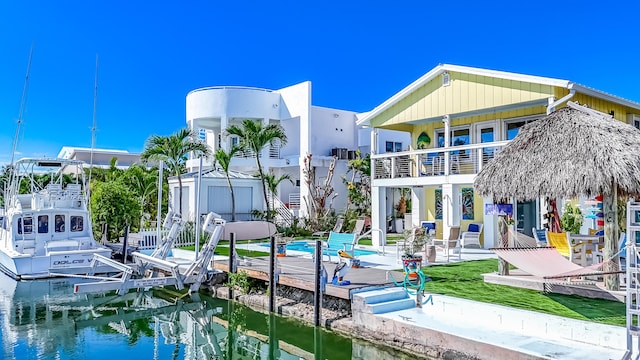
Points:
x=438 y=70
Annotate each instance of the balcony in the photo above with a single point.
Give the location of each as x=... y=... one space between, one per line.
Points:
x=434 y=163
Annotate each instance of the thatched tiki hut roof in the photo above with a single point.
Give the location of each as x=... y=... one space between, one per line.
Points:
x=573 y=151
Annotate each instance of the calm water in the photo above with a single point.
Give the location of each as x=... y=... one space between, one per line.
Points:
x=45 y=320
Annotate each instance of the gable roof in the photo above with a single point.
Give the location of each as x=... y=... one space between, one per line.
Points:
x=438 y=70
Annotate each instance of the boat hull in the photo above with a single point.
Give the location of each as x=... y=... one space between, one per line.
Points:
x=27 y=267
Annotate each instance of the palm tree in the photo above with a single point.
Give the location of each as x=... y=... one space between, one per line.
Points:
x=144 y=183
x=173 y=151
x=273 y=182
x=224 y=159
x=254 y=137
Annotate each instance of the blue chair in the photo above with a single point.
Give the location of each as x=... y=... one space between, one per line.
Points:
x=471 y=236
x=430 y=226
x=541 y=236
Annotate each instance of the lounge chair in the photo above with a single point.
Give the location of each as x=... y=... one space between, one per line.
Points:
x=336 y=228
x=471 y=236
x=339 y=241
x=450 y=243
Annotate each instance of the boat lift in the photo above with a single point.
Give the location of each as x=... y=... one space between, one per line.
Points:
x=154 y=270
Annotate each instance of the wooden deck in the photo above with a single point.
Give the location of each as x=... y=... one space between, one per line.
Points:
x=298 y=272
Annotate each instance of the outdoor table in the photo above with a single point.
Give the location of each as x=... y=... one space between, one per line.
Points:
x=588 y=242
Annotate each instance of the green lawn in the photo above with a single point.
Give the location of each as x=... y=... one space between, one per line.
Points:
x=224 y=250
x=464 y=280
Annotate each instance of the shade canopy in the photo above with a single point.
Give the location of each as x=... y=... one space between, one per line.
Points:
x=571 y=152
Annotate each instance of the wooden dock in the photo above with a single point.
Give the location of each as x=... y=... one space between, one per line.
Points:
x=298 y=272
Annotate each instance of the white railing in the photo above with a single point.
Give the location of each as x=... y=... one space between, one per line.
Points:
x=284 y=216
x=145 y=239
x=294 y=201
x=274 y=150
x=465 y=159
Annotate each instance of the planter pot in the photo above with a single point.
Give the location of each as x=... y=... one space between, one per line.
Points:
x=412 y=265
x=430 y=253
x=399 y=225
x=281 y=249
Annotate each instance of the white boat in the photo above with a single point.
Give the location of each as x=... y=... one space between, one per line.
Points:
x=45 y=228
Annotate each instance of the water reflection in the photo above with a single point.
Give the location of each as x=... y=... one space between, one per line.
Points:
x=44 y=320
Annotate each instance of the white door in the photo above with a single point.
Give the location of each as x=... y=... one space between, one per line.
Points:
x=485 y=132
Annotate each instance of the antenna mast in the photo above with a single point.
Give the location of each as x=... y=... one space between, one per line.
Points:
x=22 y=104
x=94 y=128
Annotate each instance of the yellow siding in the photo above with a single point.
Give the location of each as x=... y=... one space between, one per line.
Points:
x=430 y=211
x=465 y=93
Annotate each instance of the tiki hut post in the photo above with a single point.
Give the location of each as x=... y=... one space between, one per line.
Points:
x=610 y=210
x=503 y=232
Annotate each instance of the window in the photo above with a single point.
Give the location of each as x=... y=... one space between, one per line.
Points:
x=25 y=224
x=391 y=146
x=59 y=223
x=77 y=223
x=43 y=224
x=458 y=137
x=235 y=141
x=513 y=126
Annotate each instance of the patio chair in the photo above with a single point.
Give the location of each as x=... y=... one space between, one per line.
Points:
x=339 y=241
x=540 y=235
x=471 y=236
x=562 y=243
x=452 y=243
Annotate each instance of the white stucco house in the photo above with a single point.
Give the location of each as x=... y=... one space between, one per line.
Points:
x=100 y=158
x=320 y=131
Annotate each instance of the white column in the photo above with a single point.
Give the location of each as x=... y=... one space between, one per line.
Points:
x=224 y=141
x=418 y=212
x=447 y=140
x=456 y=206
x=490 y=228
x=447 y=208
x=378 y=216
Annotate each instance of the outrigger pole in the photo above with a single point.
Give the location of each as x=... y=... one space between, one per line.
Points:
x=93 y=127
x=22 y=104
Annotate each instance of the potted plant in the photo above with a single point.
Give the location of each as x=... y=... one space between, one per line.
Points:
x=281 y=244
x=415 y=240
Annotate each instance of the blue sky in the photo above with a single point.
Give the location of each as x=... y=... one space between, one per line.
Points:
x=356 y=53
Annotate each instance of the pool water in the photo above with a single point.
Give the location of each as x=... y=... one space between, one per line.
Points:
x=310 y=248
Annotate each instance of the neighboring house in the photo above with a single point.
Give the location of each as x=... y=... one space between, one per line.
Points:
x=215 y=195
x=319 y=131
x=458 y=117
x=99 y=157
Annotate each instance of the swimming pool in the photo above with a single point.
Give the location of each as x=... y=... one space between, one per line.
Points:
x=309 y=248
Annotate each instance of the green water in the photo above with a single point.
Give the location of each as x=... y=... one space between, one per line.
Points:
x=45 y=320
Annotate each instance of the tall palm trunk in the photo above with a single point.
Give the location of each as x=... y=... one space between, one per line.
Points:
x=264 y=186
x=233 y=200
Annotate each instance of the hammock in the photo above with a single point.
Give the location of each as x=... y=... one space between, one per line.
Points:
x=547 y=262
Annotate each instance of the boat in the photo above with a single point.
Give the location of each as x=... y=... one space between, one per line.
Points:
x=45 y=228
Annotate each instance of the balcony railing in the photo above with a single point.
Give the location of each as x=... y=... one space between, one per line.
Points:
x=466 y=159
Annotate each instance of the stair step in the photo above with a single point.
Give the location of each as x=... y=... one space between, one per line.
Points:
x=394 y=305
x=384 y=295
